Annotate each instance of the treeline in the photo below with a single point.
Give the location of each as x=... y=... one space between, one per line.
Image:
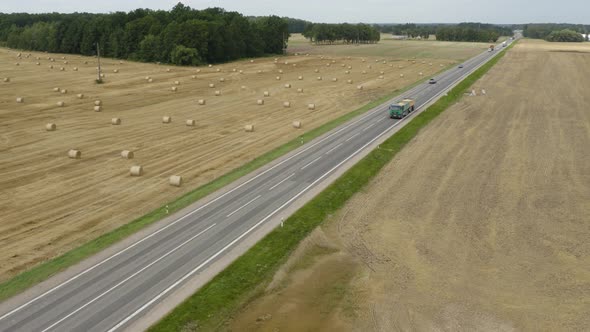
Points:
x=183 y=35
x=472 y=32
x=565 y=35
x=542 y=30
x=323 y=33
x=295 y=25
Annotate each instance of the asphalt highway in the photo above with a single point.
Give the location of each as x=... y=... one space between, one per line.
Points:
x=113 y=293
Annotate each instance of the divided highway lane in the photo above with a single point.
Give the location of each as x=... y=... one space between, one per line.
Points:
x=115 y=292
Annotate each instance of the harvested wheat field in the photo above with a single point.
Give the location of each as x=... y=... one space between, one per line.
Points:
x=64 y=179
x=481 y=223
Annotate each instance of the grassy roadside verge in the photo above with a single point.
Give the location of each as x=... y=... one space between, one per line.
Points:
x=214 y=303
x=51 y=267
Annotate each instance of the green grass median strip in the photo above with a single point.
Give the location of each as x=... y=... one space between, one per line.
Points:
x=214 y=303
x=51 y=267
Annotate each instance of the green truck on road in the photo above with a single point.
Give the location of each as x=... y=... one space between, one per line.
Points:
x=401 y=109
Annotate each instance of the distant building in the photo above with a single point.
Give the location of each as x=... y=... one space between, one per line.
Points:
x=399 y=37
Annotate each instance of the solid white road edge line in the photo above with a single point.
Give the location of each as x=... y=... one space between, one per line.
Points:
x=193 y=271
x=128 y=278
x=243 y=206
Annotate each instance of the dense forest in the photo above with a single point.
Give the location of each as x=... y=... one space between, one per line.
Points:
x=323 y=33
x=183 y=35
x=543 y=30
x=565 y=35
x=472 y=32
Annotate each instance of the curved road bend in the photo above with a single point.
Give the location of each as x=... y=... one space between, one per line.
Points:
x=112 y=294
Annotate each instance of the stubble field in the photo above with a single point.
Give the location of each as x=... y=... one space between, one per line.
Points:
x=51 y=204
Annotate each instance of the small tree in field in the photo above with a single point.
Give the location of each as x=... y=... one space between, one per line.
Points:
x=182 y=55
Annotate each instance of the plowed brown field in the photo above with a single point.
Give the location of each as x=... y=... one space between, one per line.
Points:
x=481 y=223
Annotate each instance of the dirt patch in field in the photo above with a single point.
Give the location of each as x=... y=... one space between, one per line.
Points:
x=51 y=203
x=480 y=224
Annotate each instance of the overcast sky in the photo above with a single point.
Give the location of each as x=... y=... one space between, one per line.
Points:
x=336 y=11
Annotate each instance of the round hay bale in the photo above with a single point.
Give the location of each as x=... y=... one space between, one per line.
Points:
x=218 y=93
x=6 y=79
x=319 y=78
x=286 y=62
x=300 y=90
x=347 y=71
x=311 y=107
x=382 y=72
x=52 y=60
x=19 y=54
x=211 y=85
x=294 y=65
x=56 y=89
x=74 y=154
x=190 y=123
x=297 y=124
x=166 y=119
x=175 y=180
x=210 y=66
x=401 y=75
x=150 y=80
x=316 y=70
x=280 y=71
x=20 y=100
x=63 y=57
x=17 y=64
x=50 y=127
x=349 y=67
x=363 y=60
x=327 y=65
x=120 y=62
x=194 y=77
x=286 y=104
x=342 y=65
x=369 y=66
x=251 y=61
x=147 y=78
x=360 y=87
x=116 y=121
x=278 y=78
x=75 y=68
x=38 y=64
x=414 y=62
x=136 y=171
x=420 y=74
x=97 y=108
x=300 y=78
x=62 y=69
x=201 y=102
x=287 y=85
x=243 y=87
x=364 y=72
x=218 y=70
x=127 y=154
x=266 y=94
x=176 y=83
x=174 y=89
x=221 y=79
x=333 y=61
x=168 y=70
x=334 y=79
x=51 y=67
x=115 y=71
x=260 y=102
x=381 y=77
x=198 y=70
x=441 y=65
x=60 y=104
x=241 y=71
x=349 y=81
x=102 y=75
x=400 y=66
x=98 y=103
x=249 y=128
x=234 y=70
x=63 y=91
x=430 y=64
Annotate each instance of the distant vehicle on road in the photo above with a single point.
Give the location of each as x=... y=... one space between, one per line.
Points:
x=460 y=66
x=401 y=109
x=491 y=49
x=432 y=81
x=504 y=44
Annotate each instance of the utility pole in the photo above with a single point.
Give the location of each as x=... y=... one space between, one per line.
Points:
x=98 y=79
